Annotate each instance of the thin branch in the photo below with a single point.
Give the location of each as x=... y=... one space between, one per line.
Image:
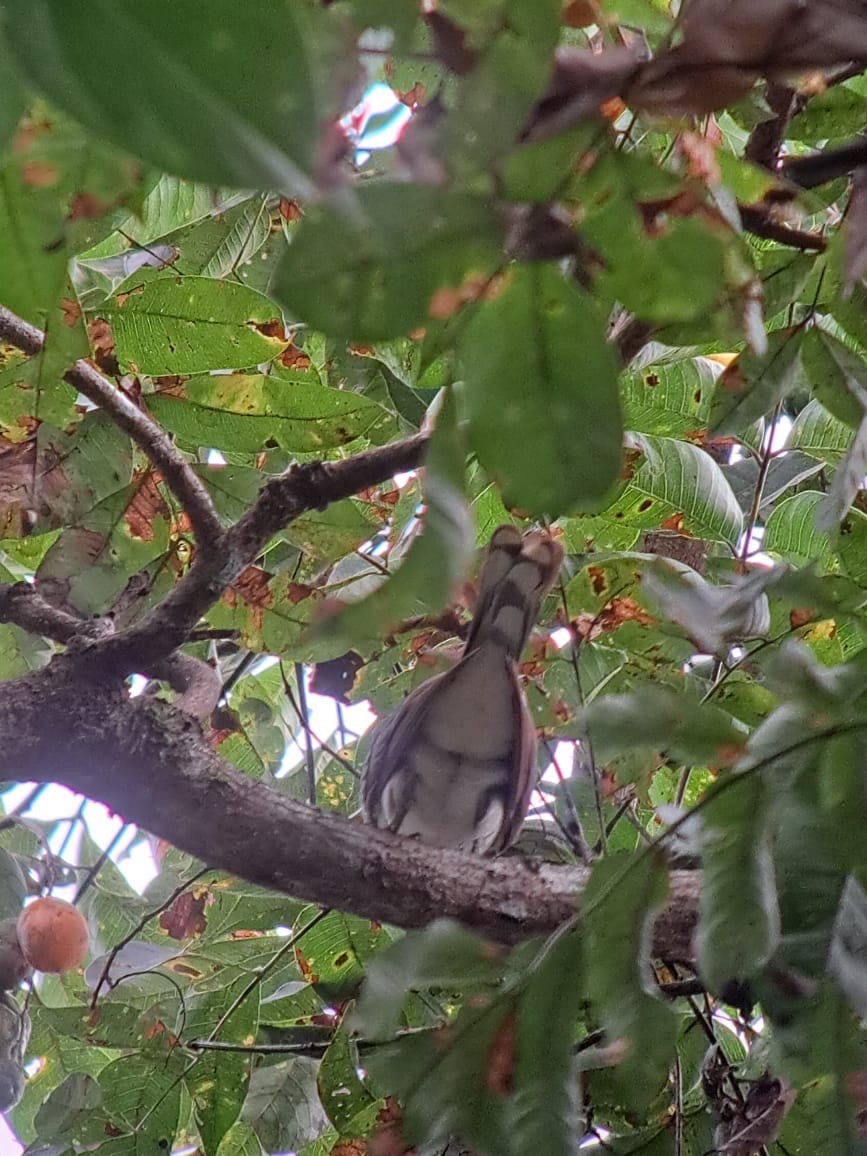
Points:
x=156 y=445
x=306 y=487
x=757 y=219
x=766 y=139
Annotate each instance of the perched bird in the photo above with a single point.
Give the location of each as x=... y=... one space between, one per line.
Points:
x=455 y=763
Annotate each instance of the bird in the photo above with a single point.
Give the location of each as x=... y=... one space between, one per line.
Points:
x=454 y=764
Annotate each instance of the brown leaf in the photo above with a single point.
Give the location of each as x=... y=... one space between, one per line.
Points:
x=252 y=586
x=726 y=45
x=335 y=676
x=745 y=1129
x=580 y=13
x=581 y=83
x=500 y=1060
x=185 y=917
x=145 y=507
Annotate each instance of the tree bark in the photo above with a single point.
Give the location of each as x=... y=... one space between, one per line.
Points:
x=151 y=764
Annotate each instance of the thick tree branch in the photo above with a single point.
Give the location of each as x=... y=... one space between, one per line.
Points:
x=147 y=435
x=151 y=765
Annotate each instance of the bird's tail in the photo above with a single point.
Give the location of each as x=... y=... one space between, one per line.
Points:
x=517 y=573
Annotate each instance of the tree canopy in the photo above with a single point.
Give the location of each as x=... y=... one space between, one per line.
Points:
x=274 y=364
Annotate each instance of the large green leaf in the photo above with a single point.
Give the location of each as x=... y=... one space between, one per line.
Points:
x=676 y=483
x=818 y=433
x=837 y=374
x=739 y=921
x=245 y=412
x=191 y=324
x=791 y=530
x=540 y=393
x=238 y=100
x=218 y=1081
x=622 y=896
x=370 y=270
x=544 y=1101
x=754 y=383
x=672 y=400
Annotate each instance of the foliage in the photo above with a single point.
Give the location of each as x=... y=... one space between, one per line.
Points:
x=652 y=338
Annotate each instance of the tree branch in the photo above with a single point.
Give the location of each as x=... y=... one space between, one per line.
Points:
x=151 y=764
x=156 y=445
x=311 y=486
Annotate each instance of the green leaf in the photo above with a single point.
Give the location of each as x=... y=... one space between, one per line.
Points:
x=677 y=276
x=782 y=473
x=676 y=481
x=739 y=920
x=437 y=557
x=218 y=1081
x=654 y=717
x=622 y=896
x=442 y=1077
x=217 y=104
x=244 y=412
x=188 y=325
x=240 y=1140
x=544 y=1084
x=443 y=955
x=751 y=386
x=334 y=952
x=341 y=1090
x=831 y=115
x=540 y=393
x=369 y=270
x=282 y=1106
x=671 y=400
x=142 y=1095
x=818 y=433
x=40 y=191
x=838 y=376
x=791 y=532
x=847 y=481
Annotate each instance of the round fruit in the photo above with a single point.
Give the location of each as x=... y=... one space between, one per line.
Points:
x=53 y=935
x=13 y=965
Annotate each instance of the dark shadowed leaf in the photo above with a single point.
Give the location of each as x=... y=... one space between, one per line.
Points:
x=753 y=384
x=624 y=892
x=371 y=269
x=739 y=922
x=226 y=106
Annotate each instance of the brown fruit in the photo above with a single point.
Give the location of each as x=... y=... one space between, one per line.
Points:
x=53 y=935
x=13 y=965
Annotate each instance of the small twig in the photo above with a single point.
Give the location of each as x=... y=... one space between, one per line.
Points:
x=93 y=871
x=304 y=716
x=301 y=712
x=574 y=657
x=147 y=435
x=571 y=826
